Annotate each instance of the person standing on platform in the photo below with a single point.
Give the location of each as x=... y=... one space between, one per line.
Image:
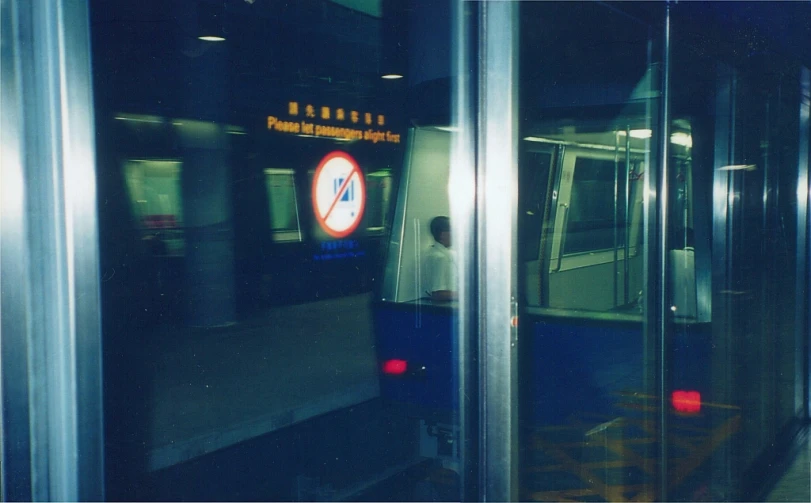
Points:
x=439 y=264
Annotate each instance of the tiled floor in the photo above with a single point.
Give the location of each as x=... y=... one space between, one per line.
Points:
x=795 y=485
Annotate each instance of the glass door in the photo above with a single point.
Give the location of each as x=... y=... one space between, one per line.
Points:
x=733 y=255
x=590 y=94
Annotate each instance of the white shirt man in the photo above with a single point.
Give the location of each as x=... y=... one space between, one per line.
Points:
x=439 y=263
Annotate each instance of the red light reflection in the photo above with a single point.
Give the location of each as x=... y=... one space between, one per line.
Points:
x=395 y=367
x=686 y=402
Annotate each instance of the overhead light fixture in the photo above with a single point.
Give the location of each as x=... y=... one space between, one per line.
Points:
x=683 y=139
x=391 y=76
x=638 y=133
x=235 y=130
x=211 y=22
x=538 y=139
x=139 y=118
x=738 y=167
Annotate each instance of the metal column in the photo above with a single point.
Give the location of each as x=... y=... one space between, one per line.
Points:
x=496 y=203
x=50 y=342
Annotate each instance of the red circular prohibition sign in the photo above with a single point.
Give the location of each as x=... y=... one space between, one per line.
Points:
x=338 y=194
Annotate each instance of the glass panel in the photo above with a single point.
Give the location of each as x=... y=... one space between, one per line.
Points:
x=588 y=85
x=250 y=157
x=731 y=257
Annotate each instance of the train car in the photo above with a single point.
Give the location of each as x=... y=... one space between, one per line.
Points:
x=579 y=189
x=585 y=359
x=581 y=315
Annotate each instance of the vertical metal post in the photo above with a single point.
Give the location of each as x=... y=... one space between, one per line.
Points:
x=802 y=343
x=51 y=341
x=462 y=197
x=15 y=417
x=626 y=270
x=615 y=246
x=723 y=260
x=662 y=295
x=496 y=202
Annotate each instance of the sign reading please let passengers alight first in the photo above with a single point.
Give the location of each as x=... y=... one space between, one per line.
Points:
x=346 y=124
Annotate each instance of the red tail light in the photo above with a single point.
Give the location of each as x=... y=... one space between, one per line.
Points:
x=395 y=367
x=686 y=402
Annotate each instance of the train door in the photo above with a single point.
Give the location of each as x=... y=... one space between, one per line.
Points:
x=590 y=255
x=596 y=231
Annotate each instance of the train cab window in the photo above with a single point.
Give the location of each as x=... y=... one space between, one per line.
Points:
x=283 y=205
x=154 y=190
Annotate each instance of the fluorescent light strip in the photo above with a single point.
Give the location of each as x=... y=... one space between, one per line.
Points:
x=638 y=133
x=683 y=139
x=139 y=118
x=537 y=139
x=738 y=167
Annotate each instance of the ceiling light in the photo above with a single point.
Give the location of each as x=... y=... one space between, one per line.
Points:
x=540 y=140
x=638 y=133
x=738 y=167
x=683 y=139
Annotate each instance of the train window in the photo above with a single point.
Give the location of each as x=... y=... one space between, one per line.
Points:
x=590 y=180
x=533 y=199
x=154 y=190
x=283 y=205
x=378 y=189
x=594 y=211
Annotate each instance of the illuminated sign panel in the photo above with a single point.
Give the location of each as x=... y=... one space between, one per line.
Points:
x=346 y=129
x=339 y=194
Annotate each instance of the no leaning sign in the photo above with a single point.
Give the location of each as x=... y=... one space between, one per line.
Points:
x=339 y=194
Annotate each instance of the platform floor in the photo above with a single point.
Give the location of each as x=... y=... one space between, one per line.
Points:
x=795 y=484
x=213 y=388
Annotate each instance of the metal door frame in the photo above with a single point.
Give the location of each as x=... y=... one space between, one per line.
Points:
x=50 y=337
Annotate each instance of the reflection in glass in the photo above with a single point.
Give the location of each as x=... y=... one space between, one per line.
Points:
x=241 y=355
x=589 y=413
x=378 y=188
x=154 y=190
x=284 y=217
